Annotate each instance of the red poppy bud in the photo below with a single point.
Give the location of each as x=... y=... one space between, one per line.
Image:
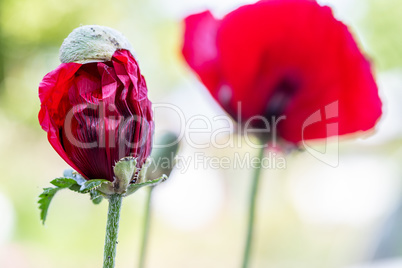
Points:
x=94 y=106
x=287 y=58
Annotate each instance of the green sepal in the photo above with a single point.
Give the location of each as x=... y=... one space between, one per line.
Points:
x=135 y=186
x=124 y=171
x=143 y=171
x=92 y=185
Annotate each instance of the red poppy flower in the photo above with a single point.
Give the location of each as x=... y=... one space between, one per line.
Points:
x=96 y=113
x=284 y=57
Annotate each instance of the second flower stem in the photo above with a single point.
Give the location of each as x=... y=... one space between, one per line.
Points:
x=252 y=207
x=112 y=231
x=145 y=231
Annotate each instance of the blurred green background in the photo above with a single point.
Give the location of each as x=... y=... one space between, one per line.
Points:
x=309 y=215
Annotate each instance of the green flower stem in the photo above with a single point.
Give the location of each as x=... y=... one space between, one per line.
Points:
x=145 y=231
x=112 y=230
x=251 y=215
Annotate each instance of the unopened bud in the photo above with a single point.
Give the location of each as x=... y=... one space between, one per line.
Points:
x=92 y=43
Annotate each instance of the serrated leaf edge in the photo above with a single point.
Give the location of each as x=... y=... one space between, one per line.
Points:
x=84 y=188
x=45 y=198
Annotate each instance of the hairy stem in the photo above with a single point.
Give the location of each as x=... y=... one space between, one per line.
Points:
x=112 y=231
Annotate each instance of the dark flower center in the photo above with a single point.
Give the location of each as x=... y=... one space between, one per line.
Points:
x=279 y=100
x=281 y=96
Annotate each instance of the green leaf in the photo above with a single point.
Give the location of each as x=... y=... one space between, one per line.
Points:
x=44 y=201
x=134 y=187
x=92 y=185
x=75 y=188
x=96 y=197
x=74 y=182
x=48 y=193
x=88 y=186
x=63 y=182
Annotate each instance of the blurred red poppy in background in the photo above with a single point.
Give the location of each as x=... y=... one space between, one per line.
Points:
x=96 y=113
x=287 y=58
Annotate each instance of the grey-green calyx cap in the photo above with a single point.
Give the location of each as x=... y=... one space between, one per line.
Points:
x=92 y=43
